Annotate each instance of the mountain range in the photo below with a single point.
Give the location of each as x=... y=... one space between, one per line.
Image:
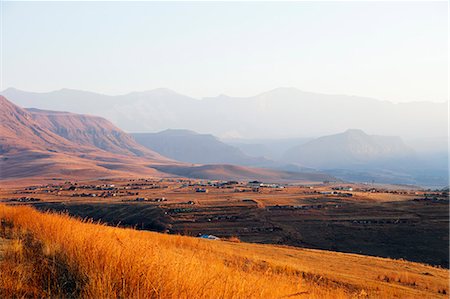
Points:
x=282 y=112
x=352 y=155
x=347 y=154
x=38 y=144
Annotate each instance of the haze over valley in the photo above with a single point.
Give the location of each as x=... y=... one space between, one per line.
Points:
x=260 y=131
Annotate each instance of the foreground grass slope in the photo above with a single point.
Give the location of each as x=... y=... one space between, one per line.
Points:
x=52 y=255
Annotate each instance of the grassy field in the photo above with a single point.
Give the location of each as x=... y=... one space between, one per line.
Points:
x=54 y=255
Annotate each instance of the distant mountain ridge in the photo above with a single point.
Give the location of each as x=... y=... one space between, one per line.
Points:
x=192 y=147
x=279 y=112
x=352 y=148
x=359 y=157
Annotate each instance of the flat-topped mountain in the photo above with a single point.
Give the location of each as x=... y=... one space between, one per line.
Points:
x=88 y=130
x=19 y=131
x=43 y=144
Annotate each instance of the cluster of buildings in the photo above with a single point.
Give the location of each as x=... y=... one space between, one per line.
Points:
x=303 y=207
x=158 y=199
x=336 y=193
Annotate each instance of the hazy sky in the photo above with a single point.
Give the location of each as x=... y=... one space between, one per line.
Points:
x=389 y=50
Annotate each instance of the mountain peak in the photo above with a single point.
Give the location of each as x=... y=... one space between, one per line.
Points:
x=156 y=92
x=10 y=89
x=280 y=91
x=355 y=132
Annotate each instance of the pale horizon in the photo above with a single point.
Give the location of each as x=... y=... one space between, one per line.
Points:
x=217 y=95
x=384 y=50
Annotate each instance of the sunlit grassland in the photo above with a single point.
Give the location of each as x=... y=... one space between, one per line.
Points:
x=54 y=255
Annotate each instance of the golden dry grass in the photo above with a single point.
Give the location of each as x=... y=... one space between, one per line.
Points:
x=52 y=255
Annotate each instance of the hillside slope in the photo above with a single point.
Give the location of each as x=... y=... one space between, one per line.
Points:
x=95 y=261
x=90 y=130
x=18 y=131
x=234 y=172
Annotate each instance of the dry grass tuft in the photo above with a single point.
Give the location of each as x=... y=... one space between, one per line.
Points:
x=232 y=239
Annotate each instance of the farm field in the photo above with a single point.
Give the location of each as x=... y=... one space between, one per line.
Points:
x=384 y=222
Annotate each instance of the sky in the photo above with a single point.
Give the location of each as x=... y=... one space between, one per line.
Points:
x=396 y=51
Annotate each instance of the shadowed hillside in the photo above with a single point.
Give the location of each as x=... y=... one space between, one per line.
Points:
x=189 y=146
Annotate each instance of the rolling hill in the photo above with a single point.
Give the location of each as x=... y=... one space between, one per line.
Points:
x=234 y=172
